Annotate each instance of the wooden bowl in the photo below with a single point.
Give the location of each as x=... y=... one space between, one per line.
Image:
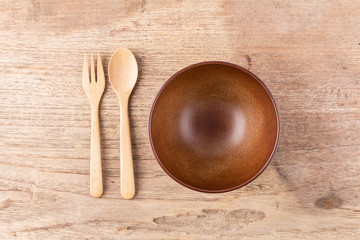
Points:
x=214 y=127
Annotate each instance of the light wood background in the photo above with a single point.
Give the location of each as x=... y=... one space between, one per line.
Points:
x=308 y=54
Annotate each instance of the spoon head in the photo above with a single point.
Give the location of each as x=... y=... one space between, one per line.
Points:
x=123 y=71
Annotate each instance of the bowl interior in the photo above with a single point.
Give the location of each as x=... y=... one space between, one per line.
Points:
x=214 y=127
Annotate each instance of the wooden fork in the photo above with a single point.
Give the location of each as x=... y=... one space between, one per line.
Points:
x=94 y=89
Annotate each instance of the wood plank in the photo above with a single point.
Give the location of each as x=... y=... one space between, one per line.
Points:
x=306 y=52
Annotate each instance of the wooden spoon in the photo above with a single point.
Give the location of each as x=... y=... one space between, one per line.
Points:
x=123 y=73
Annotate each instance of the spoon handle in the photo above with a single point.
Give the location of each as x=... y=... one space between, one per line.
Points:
x=126 y=160
x=96 y=184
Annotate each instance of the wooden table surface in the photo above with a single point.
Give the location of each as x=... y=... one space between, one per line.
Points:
x=308 y=54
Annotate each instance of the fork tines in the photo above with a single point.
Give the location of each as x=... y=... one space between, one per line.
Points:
x=95 y=85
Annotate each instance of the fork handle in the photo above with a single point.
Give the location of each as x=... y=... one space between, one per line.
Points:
x=126 y=159
x=96 y=184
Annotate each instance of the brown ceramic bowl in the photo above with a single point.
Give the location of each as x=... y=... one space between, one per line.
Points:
x=214 y=127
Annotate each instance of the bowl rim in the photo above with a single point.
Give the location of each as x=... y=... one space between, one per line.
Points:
x=224 y=64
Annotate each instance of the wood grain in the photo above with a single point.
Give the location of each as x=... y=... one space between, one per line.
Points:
x=308 y=54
